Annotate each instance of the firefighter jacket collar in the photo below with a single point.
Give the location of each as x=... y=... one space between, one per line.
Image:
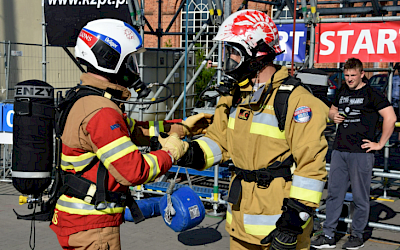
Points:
x=278 y=77
x=88 y=80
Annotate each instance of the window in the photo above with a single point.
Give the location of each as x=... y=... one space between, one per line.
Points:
x=285 y=14
x=198 y=14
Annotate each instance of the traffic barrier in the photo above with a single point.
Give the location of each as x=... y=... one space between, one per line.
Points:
x=6 y=123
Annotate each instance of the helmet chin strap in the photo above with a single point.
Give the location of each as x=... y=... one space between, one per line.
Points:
x=244 y=82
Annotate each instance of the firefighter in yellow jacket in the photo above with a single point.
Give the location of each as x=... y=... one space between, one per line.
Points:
x=270 y=206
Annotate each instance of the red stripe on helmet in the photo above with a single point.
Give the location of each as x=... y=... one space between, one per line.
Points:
x=88 y=38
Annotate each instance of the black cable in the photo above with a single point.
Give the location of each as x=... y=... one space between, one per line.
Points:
x=131 y=102
x=150 y=102
x=33 y=230
x=208 y=98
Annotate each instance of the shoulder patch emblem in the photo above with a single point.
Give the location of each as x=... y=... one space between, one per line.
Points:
x=302 y=114
x=244 y=114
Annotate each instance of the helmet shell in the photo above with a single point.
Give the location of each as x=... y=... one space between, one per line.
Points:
x=247 y=28
x=104 y=43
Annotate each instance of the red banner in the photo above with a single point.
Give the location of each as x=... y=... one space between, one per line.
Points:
x=369 y=42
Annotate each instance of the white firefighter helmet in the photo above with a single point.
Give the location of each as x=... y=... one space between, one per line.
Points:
x=106 y=43
x=250 y=28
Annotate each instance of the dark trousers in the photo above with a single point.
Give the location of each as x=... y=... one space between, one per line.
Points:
x=355 y=169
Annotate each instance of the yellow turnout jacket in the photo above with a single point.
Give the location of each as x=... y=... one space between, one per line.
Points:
x=249 y=135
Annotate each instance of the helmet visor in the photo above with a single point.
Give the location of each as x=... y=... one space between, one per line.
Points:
x=132 y=65
x=233 y=58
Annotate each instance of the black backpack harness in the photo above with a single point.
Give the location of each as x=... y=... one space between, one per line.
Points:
x=263 y=177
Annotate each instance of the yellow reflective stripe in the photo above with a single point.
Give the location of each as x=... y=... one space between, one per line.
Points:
x=77 y=163
x=307 y=189
x=154 y=168
x=229 y=214
x=305 y=224
x=305 y=194
x=231 y=119
x=161 y=126
x=76 y=206
x=207 y=152
x=267 y=130
x=131 y=122
x=151 y=129
x=231 y=123
x=115 y=150
x=258 y=229
x=211 y=150
x=259 y=224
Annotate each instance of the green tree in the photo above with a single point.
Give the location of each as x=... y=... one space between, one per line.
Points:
x=205 y=75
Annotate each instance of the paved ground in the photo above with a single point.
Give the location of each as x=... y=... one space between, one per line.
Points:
x=154 y=234
x=150 y=234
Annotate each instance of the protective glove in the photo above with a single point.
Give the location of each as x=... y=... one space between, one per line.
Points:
x=173 y=145
x=197 y=124
x=289 y=225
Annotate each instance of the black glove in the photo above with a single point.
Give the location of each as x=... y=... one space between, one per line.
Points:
x=155 y=144
x=193 y=158
x=289 y=225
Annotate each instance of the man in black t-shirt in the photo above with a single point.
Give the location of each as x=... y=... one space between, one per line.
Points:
x=356 y=110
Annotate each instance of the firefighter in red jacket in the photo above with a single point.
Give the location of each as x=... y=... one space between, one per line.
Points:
x=100 y=157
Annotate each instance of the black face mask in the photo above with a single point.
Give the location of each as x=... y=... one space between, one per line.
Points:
x=239 y=66
x=243 y=72
x=129 y=77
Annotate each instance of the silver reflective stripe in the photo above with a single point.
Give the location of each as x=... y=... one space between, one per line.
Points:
x=216 y=151
x=77 y=164
x=263 y=220
x=286 y=87
x=267 y=119
x=232 y=112
x=156 y=129
x=19 y=174
x=153 y=165
x=84 y=206
x=308 y=183
x=115 y=150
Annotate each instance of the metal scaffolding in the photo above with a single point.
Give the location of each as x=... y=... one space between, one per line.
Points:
x=310 y=13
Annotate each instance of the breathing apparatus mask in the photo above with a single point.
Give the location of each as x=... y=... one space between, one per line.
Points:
x=129 y=77
x=239 y=66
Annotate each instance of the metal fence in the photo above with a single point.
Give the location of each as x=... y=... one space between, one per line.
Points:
x=25 y=61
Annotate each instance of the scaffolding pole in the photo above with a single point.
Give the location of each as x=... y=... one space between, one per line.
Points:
x=44 y=57
x=203 y=64
x=343 y=20
x=177 y=65
x=370 y=224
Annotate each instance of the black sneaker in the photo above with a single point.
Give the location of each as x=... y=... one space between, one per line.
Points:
x=323 y=242
x=353 y=243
